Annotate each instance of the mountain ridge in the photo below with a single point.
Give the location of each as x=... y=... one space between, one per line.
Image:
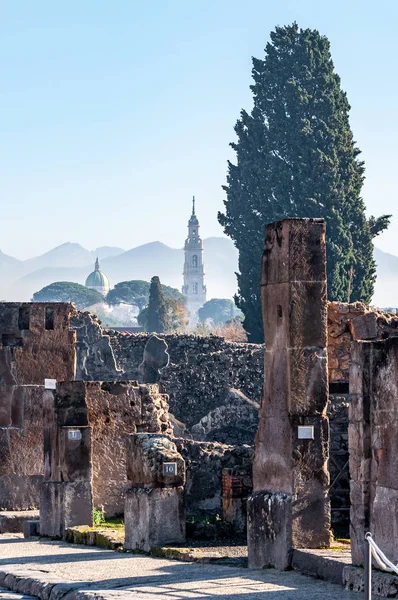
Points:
x=70 y=261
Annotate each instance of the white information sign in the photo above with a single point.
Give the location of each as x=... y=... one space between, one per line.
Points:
x=50 y=384
x=305 y=432
x=74 y=434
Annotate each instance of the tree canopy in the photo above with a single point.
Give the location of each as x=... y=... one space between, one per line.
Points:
x=156 y=316
x=296 y=157
x=136 y=292
x=66 y=291
x=219 y=310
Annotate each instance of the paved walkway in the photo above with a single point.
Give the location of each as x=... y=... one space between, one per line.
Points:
x=50 y=570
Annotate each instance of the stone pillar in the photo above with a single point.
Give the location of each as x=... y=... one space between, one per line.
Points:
x=289 y=507
x=154 y=512
x=66 y=493
x=373 y=446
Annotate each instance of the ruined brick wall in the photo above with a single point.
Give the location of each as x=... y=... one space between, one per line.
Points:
x=115 y=410
x=353 y=322
x=112 y=410
x=41 y=342
x=198 y=378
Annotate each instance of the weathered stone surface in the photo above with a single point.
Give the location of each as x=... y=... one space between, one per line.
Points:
x=235 y=422
x=146 y=455
x=154 y=360
x=205 y=462
x=21 y=450
x=31 y=528
x=373 y=435
x=384 y=585
x=364 y=327
x=236 y=487
x=348 y=322
x=38 y=351
x=290 y=475
x=13 y=521
x=269 y=530
x=154 y=517
x=64 y=505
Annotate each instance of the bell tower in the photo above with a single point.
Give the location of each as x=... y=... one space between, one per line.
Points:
x=194 y=287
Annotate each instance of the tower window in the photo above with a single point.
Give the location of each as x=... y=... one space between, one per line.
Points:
x=195 y=288
x=49 y=318
x=194 y=260
x=23 y=317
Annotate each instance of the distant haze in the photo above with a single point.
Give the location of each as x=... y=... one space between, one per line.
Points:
x=71 y=262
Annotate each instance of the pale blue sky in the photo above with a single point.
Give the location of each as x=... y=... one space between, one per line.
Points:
x=114 y=112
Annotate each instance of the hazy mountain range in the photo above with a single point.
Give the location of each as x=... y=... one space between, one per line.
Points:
x=71 y=262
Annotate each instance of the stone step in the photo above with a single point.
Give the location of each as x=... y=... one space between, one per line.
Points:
x=322 y=564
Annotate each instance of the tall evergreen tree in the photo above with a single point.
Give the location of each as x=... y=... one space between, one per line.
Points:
x=296 y=157
x=157 y=319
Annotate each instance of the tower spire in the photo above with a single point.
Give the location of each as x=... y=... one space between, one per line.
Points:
x=193 y=206
x=97 y=264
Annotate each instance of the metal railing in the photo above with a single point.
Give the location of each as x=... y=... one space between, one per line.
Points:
x=372 y=550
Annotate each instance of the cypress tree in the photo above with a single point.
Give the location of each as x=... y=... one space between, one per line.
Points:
x=157 y=309
x=296 y=157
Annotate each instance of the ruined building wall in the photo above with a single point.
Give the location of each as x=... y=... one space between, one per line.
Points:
x=36 y=343
x=41 y=342
x=21 y=449
x=198 y=378
x=353 y=322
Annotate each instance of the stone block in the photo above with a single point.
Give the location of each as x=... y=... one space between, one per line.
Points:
x=364 y=327
x=146 y=455
x=272 y=469
x=269 y=526
x=154 y=517
x=64 y=505
x=300 y=251
x=384 y=520
x=309 y=377
x=70 y=404
x=31 y=528
x=75 y=453
x=51 y=509
x=78 y=504
x=154 y=360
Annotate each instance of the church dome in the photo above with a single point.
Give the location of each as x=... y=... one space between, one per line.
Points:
x=97 y=280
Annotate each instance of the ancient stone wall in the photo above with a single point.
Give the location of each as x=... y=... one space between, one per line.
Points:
x=35 y=343
x=353 y=322
x=373 y=444
x=198 y=378
x=21 y=450
x=40 y=340
x=205 y=462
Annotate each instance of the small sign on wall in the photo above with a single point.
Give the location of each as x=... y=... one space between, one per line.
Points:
x=50 y=384
x=305 y=432
x=74 y=434
x=170 y=468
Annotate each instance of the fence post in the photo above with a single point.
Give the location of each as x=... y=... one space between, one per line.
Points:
x=368 y=571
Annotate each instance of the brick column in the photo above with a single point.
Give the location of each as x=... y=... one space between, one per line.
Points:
x=290 y=506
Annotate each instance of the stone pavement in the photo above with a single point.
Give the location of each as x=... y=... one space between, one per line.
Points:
x=51 y=570
x=7 y=595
